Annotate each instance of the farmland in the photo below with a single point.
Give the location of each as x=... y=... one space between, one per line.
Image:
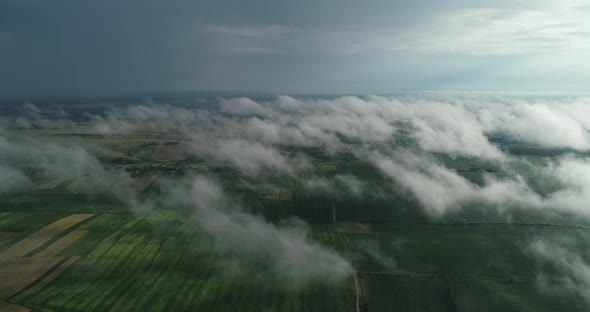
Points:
x=132 y=233
x=165 y=260
x=297 y=156
x=163 y=268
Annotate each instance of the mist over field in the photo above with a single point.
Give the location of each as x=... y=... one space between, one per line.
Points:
x=533 y=153
x=354 y=156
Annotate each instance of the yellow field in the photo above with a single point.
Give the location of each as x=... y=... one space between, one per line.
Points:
x=61 y=244
x=17 y=272
x=325 y=166
x=285 y=194
x=11 y=307
x=47 y=279
x=51 y=184
x=42 y=236
x=355 y=228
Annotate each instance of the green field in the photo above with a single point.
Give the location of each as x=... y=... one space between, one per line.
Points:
x=472 y=258
x=162 y=261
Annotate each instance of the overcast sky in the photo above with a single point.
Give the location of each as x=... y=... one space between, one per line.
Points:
x=93 y=47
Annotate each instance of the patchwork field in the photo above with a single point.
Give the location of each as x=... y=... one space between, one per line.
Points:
x=51 y=184
x=11 y=307
x=450 y=266
x=18 y=272
x=170 y=151
x=44 y=235
x=61 y=244
x=408 y=293
x=66 y=245
x=355 y=228
x=124 y=262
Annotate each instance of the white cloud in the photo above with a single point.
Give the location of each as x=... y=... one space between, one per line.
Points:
x=252 y=136
x=250 y=157
x=439 y=189
x=546 y=124
x=255 y=248
x=572 y=273
x=62 y=161
x=574 y=174
x=451 y=129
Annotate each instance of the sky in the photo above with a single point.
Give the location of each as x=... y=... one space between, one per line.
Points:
x=64 y=47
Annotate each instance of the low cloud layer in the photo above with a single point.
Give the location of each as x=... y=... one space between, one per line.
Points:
x=249 y=157
x=340 y=185
x=59 y=161
x=254 y=248
x=12 y=179
x=571 y=264
x=405 y=139
x=396 y=133
x=452 y=125
x=439 y=189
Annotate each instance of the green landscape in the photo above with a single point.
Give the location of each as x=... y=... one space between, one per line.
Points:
x=294 y=156
x=133 y=222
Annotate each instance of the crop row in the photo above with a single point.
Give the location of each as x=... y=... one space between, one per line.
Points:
x=149 y=264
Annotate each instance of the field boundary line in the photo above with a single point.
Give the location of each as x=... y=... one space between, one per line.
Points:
x=45 y=279
x=578 y=227
x=61 y=244
x=441 y=274
x=46 y=235
x=12 y=306
x=44 y=272
x=457 y=308
x=356 y=272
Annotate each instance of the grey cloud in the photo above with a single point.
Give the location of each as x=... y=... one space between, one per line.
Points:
x=12 y=179
x=33 y=117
